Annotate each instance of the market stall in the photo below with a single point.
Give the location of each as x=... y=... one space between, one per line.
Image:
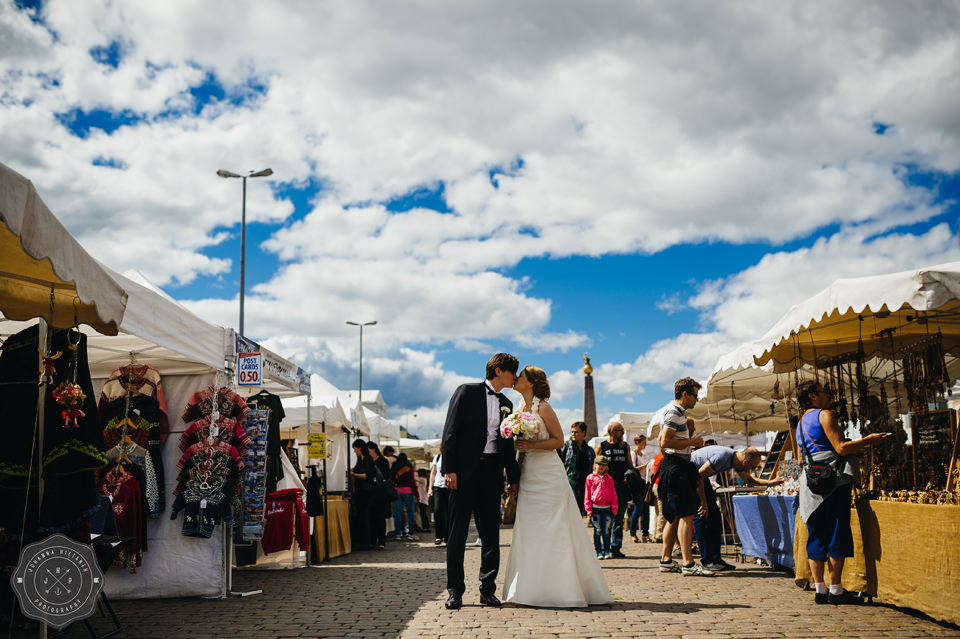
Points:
x=331 y=530
x=48 y=279
x=141 y=329
x=887 y=347
x=189 y=355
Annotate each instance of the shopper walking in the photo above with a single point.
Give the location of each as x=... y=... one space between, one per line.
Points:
x=405 y=479
x=380 y=507
x=439 y=493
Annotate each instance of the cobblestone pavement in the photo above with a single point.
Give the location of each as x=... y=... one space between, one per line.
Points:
x=399 y=592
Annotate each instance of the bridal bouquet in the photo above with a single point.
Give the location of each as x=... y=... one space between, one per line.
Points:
x=520 y=425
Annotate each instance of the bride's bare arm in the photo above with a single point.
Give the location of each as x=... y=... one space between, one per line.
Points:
x=555 y=432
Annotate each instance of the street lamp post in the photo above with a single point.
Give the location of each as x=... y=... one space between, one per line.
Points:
x=360 y=384
x=243 y=225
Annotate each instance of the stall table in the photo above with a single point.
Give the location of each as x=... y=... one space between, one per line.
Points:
x=338 y=511
x=905 y=554
x=765 y=526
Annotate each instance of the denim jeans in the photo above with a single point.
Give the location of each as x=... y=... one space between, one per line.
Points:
x=407 y=501
x=709 y=530
x=639 y=517
x=602 y=519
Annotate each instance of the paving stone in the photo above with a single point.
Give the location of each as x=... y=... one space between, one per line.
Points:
x=399 y=592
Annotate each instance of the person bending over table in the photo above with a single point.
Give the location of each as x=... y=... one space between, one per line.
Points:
x=706 y=525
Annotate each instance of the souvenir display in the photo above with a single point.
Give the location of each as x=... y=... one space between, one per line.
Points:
x=254 y=475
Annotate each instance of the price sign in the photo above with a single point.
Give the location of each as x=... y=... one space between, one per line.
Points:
x=317 y=446
x=249 y=369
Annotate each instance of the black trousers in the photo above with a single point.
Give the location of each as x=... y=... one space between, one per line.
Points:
x=481 y=492
x=360 y=522
x=623 y=496
x=441 y=511
x=378 y=523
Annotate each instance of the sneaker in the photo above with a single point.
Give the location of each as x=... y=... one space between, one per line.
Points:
x=601 y=556
x=696 y=570
x=616 y=554
x=677 y=552
x=606 y=555
x=718 y=566
x=669 y=566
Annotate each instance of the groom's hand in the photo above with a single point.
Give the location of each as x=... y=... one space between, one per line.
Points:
x=450 y=479
x=512 y=490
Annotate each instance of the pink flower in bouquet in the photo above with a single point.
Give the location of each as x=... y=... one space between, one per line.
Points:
x=522 y=425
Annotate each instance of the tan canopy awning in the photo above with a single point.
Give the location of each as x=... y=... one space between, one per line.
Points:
x=44 y=272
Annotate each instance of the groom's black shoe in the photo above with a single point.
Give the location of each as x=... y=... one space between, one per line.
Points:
x=489 y=600
x=455 y=602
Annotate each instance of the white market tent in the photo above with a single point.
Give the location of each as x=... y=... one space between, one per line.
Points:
x=876 y=312
x=326 y=415
x=380 y=428
x=883 y=313
x=190 y=354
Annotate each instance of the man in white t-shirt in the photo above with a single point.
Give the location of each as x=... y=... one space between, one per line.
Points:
x=437 y=494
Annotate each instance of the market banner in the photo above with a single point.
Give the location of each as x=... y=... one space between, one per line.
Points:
x=276 y=367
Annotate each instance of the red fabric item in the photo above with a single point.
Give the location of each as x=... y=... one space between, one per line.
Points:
x=656 y=467
x=285 y=518
x=124 y=493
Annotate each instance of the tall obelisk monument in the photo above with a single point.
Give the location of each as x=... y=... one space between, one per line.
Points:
x=589 y=402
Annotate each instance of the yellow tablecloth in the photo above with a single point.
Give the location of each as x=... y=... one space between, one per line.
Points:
x=906 y=554
x=338 y=511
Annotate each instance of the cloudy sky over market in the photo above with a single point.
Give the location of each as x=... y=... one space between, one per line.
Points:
x=652 y=183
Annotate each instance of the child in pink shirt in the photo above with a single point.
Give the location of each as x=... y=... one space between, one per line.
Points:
x=600 y=501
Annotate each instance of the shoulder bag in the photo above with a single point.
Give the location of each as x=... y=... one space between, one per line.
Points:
x=821 y=477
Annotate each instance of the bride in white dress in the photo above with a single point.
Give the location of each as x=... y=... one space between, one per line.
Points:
x=552 y=561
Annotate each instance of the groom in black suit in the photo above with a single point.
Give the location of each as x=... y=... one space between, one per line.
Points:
x=474 y=457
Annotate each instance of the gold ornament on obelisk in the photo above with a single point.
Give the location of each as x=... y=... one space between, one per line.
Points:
x=587 y=368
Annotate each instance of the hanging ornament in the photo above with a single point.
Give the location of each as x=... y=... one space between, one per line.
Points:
x=71 y=397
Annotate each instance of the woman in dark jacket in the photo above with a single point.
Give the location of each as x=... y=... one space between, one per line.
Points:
x=405 y=479
x=362 y=498
x=380 y=509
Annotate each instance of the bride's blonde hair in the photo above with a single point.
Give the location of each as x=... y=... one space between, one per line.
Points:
x=538 y=380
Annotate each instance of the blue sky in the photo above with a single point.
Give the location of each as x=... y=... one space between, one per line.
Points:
x=649 y=184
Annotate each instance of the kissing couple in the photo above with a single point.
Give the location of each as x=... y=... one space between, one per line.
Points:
x=552 y=563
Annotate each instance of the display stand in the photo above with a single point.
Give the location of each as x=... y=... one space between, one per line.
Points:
x=780 y=446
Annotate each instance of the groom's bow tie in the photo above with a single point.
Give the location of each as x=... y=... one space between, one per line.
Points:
x=490 y=391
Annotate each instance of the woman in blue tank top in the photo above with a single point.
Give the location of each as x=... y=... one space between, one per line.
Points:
x=830 y=540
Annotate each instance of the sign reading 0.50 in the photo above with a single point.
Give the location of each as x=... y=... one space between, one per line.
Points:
x=249 y=369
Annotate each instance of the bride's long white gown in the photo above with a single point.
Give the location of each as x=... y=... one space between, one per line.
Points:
x=552 y=561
